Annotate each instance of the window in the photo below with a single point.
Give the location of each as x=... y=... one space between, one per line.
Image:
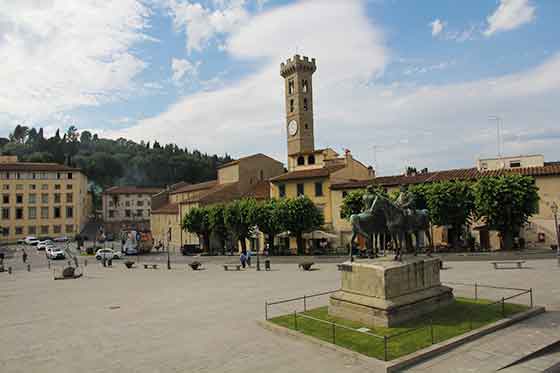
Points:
x=127 y=204
x=32 y=230
x=56 y=212
x=139 y=212
x=69 y=186
x=515 y=164
x=32 y=186
x=6 y=213
x=44 y=186
x=56 y=229
x=58 y=175
x=32 y=199
x=69 y=197
x=19 y=187
x=344 y=194
x=305 y=104
x=127 y=213
x=300 y=190
x=19 y=213
x=318 y=189
x=290 y=87
x=7 y=175
x=44 y=198
x=44 y=212
x=19 y=198
x=304 y=86
x=32 y=213
x=291 y=106
x=57 y=198
x=301 y=161
x=69 y=175
x=261 y=175
x=18 y=176
x=139 y=203
x=69 y=212
x=6 y=198
x=19 y=230
x=6 y=187
x=57 y=186
x=282 y=190
x=311 y=159
x=44 y=229
x=69 y=228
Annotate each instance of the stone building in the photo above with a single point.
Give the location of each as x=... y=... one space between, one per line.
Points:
x=42 y=199
x=245 y=177
x=127 y=206
x=311 y=172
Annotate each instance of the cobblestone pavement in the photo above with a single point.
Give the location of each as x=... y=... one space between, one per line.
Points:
x=139 y=320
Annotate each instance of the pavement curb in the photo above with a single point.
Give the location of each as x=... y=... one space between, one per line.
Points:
x=415 y=357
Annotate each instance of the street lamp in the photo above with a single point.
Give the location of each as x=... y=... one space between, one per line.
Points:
x=168 y=240
x=554 y=209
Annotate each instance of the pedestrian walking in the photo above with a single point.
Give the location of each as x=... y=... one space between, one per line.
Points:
x=24 y=255
x=249 y=253
x=243 y=259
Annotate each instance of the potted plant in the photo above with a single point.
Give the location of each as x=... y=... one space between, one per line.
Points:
x=306 y=265
x=129 y=264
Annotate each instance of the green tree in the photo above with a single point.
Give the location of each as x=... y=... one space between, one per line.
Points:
x=301 y=216
x=197 y=221
x=506 y=203
x=450 y=203
x=218 y=224
x=238 y=217
x=268 y=217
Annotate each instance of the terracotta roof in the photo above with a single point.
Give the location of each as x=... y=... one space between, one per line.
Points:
x=169 y=208
x=195 y=187
x=132 y=190
x=454 y=174
x=38 y=167
x=308 y=174
x=220 y=193
x=245 y=158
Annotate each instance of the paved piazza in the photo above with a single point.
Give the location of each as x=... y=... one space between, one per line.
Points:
x=115 y=319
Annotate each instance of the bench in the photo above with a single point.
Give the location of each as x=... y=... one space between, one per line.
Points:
x=152 y=266
x=518 y=263
x=237 y=267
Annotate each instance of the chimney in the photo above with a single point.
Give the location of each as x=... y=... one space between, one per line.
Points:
x=347 y=157
x=371 y=172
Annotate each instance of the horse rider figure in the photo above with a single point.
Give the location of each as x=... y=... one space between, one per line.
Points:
x=406 y=201
x=368 y=199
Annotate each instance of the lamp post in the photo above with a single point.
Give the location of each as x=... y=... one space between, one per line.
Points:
x=168 y=240
x=554 y=209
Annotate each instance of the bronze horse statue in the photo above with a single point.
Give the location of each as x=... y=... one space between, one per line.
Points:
x=402 y=224
x=372 y=225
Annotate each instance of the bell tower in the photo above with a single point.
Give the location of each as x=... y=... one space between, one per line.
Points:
x=297 y=73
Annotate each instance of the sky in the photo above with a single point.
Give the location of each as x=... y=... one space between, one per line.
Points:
x=398 y=82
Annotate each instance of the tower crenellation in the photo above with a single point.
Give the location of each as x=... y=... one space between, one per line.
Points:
x=297 y=63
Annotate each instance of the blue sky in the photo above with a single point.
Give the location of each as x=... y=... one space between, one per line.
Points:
x=417 y=80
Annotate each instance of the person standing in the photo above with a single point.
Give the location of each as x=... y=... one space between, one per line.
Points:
x=24 y=256
x=243 y=259
x=249 y=253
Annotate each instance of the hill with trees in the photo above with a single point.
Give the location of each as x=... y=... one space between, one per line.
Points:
x=109 y=162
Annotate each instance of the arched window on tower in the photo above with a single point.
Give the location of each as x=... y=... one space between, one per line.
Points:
x=291 y=87
x=311 y=159
x=304 y=104
x=291 y=106
x=304 y=86
x=301 y=161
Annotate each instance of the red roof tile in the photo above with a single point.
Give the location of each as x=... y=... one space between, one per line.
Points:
x=37 y=167
x=195 y=187
x=307 y=174
x=132 y=190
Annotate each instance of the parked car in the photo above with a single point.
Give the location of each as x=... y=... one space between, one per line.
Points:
x=53 y=252
x=42 y=245
x=130 y=250
x=61 y=239
x=30 y=240
x=107 y=254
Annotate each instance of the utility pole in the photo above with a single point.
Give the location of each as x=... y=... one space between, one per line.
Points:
x=498 y=120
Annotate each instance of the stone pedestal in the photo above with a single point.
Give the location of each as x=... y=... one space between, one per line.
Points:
x=382 y=292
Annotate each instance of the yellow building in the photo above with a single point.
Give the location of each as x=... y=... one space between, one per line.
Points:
x=539 y=232
x=245 y=177
x=311 y=172
x=41 y=199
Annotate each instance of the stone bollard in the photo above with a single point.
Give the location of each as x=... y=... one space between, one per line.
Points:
x=10 y=270
x=28 y=267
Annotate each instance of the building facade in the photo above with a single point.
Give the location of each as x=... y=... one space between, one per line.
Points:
x=246 y=177
x=127 y=206
x=42 y=199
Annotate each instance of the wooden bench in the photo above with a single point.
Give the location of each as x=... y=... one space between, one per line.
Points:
x=152 y=266
x=236 y=266
x=518 y=263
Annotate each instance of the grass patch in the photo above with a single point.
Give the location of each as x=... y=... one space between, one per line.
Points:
x=455 y=319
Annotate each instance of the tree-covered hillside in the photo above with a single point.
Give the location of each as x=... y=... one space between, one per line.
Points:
x=109 y=162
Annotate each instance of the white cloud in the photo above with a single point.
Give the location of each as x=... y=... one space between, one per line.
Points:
x=183 y=69
x=60 y=54
x=201 y=24
x=510 y=15
x=445 y=125
x=437 y=26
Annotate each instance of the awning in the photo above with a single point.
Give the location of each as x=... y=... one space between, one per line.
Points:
x=318 y=235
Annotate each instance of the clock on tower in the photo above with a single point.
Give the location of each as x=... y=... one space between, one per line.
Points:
x=297 y=73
